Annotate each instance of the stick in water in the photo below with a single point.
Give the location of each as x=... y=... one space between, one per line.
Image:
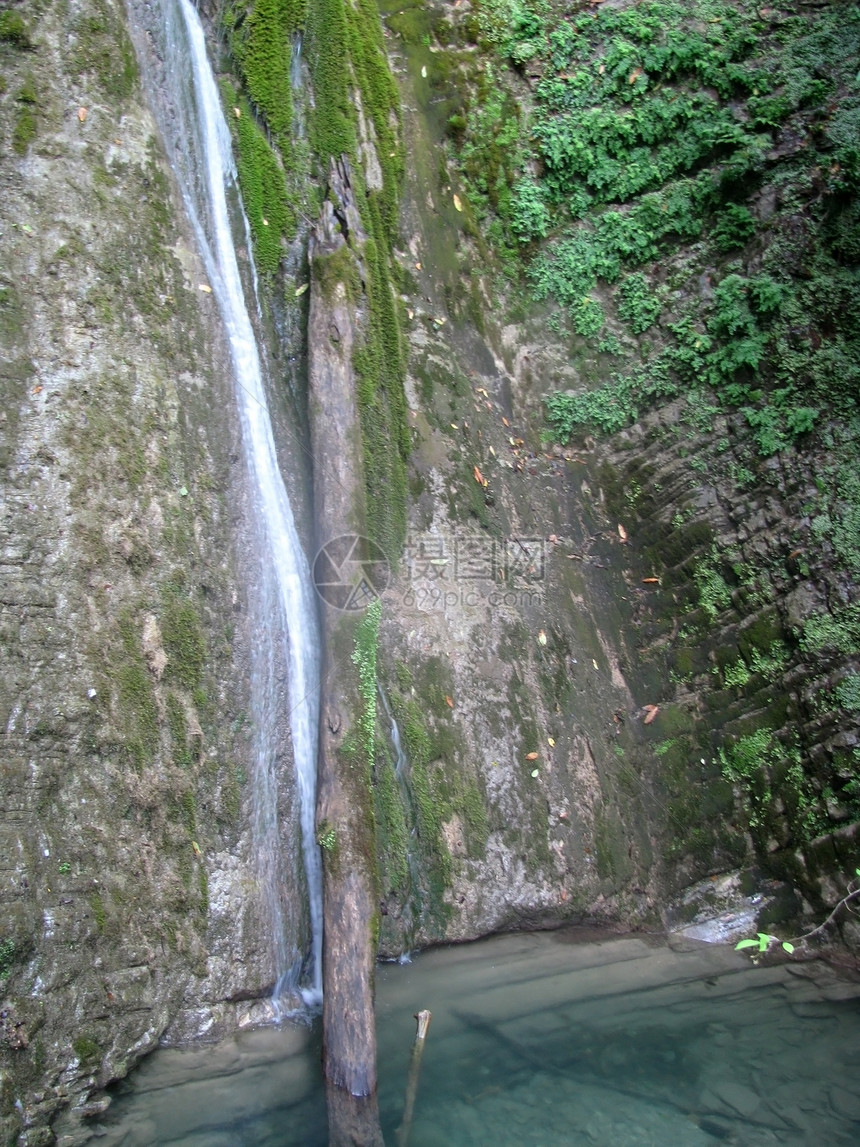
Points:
x=412 y=1085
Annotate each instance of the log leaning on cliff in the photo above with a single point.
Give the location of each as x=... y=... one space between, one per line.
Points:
x=344 y=803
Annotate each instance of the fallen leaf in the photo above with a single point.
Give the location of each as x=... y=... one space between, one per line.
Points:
x=795 y=554
x=265 y=222
x=454 y=426
x=634 y=75
x=237 y=112
x=37 y=390
x=650 y=581
x=535 y=772
x=531 y=756
x=196 y=847
x=565 y=895
x=206 y=288
x=551 y=742
x=410 y=313
x=505 y=421
x=301 y=290
x=82 y=114
x=457 y=203
x=424 y=71
x=542 y=637
x=479 y=477
x=653 y=710
x=449 y=702
x=622 y=533
x=594 y=663
x=417 y=266
x=492 y=451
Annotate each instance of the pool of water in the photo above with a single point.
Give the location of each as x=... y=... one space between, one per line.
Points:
x=538 y=1040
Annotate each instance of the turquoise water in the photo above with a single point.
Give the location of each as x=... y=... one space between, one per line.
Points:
x=544 y=1039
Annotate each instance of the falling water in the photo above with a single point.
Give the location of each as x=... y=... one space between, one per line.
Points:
x=198 y=142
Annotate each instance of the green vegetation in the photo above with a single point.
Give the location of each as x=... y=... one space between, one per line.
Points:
x=7 y=957
x=364 y=658
x=103 y=49
x=14 y=30
x=346 y=56
x=263 y=186
x=656 y=126
x=99 y=914
x=86 y=1049
x=183 y=640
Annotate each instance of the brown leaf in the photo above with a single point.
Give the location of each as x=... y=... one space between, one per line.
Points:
x=622 y=533
x=82 y=114
x=449 y=702
x=531 y=756
x=650 y=581
x=634 y=75
x=479 y=477
x=505 y=421
x=653 y=710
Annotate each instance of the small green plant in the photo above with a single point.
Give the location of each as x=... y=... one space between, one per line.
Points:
x=764 y=940
x=327 y=836
x=64 y=868
x=637 y=306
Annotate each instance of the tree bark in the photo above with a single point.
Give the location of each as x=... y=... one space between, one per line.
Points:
x=344 y=804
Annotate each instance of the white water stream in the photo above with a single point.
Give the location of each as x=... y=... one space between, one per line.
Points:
x=200 y=151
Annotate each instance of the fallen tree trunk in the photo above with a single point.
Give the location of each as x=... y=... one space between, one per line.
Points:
x=345 y=825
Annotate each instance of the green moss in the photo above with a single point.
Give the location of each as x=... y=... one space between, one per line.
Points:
x=7 y=957
x=203 y=889
x=328 y=48
x=98 y=910
x=262 y=181
x=24 y=131
x=86 y=1049
x=183 y=641
x=338 y=269
x=103 y=49
x=392 y=833
x=473 y=804
x=14 y=30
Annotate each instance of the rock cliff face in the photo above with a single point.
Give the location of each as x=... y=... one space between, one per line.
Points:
x=131 y=899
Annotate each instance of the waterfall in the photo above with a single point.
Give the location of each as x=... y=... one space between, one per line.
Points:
x=198 y=142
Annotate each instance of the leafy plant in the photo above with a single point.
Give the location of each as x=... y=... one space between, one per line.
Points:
x=637 y=306
x=764 y=941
